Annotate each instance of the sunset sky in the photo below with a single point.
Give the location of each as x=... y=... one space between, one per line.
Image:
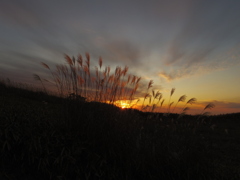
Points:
x=190 y=45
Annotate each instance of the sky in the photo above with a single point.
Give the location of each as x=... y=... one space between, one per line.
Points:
x=190 y=45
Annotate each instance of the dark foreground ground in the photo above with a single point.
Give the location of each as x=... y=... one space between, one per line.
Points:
x=44 y=137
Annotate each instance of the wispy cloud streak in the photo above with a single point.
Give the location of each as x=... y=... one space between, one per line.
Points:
x=209 y=33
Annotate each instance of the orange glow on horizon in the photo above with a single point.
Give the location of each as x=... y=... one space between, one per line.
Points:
x=123 y=105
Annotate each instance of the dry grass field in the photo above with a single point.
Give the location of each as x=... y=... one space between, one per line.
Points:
x=47 y=137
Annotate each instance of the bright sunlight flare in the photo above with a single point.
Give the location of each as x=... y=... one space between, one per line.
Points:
x=123 y=104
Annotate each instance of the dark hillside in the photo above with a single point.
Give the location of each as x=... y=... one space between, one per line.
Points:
x=46 y=137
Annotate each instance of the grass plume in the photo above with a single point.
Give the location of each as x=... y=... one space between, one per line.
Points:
x=181 y=99
x=78 y=78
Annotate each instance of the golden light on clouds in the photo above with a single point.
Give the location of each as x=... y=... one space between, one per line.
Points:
x=191 y=46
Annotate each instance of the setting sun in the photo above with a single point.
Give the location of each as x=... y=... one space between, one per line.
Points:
x=123 y=105
x=120 y=89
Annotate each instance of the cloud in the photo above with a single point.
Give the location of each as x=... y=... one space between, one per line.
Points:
x=221 y=104
x=204 y=40
x=166 y=76
x=123 y=51
x=193 y=70
x=201 y=64
x=20 y=66
x=19 y=13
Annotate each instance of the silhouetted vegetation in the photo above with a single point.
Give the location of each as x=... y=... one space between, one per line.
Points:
x=78 y=79
x=47 y=137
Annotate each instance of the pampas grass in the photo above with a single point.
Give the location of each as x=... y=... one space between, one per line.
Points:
x=181 y=99
x=77 y=79
x=208 y=106
x=37 y=77
x=191 y=101
x=105 y=142
x=171 y=93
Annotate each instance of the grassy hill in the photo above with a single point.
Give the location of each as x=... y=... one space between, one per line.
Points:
x=46 y=137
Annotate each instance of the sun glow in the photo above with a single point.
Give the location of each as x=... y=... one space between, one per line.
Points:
x=123 y=105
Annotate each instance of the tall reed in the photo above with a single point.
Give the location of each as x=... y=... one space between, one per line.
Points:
x=77 y=78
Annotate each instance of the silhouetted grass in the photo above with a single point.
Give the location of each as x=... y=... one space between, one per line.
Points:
x=46 y=137
x=77 y=79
